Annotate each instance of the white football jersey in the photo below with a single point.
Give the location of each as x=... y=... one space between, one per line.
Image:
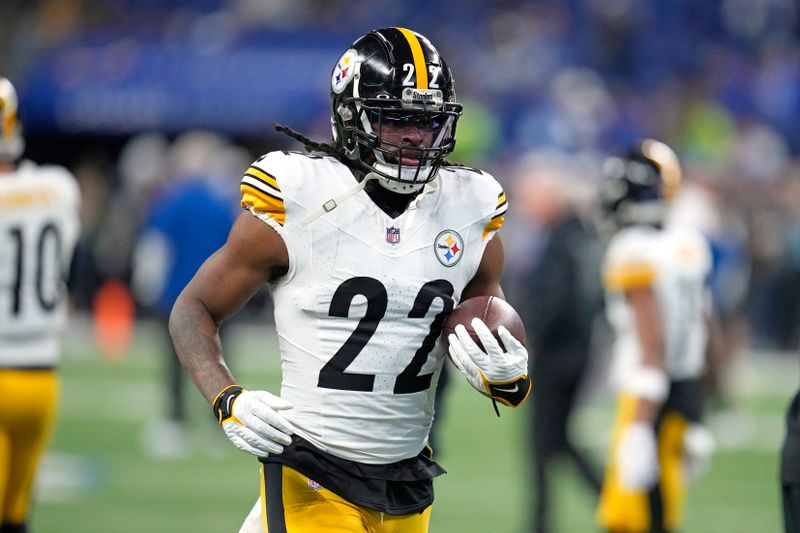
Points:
x=39 y=227
x=675 y=262
x=360 y=312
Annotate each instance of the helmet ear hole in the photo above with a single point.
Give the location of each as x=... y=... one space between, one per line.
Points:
x=345 y=113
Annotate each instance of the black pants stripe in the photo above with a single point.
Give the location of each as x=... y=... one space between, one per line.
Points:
x=656 y=510
x=791 y=508
x=273 y=490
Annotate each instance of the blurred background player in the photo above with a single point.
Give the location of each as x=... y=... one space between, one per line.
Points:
x=366 y=245
x=39 y=227
x=790 y=468
x=188 y=219
x=558 y=297
x=659 y=307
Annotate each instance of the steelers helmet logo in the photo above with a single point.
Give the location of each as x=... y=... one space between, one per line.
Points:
x=344 y=71
x=448 y=247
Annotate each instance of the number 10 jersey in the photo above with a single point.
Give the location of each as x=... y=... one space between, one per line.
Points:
x=39 y=227
x=360 y=311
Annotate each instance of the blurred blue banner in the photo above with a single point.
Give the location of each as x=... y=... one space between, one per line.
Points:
x=127 y=85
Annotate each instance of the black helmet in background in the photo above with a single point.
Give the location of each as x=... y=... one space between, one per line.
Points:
x=638 y=186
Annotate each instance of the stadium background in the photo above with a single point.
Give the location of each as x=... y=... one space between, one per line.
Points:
x=718 y=80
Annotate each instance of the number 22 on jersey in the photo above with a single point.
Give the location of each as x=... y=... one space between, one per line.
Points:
x=333 y=374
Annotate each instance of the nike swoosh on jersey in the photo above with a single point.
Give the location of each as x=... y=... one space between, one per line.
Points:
x=515 y=389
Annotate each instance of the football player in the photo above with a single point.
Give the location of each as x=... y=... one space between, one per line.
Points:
x=659 y=307
x=790 y=468
x=39 y=228
x=365 y=245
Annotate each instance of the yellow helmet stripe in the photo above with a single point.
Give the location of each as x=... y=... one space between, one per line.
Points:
x=668 y=164
x=419 y=58
x=9 y=122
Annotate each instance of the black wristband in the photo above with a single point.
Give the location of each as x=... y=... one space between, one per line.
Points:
x=223 y=403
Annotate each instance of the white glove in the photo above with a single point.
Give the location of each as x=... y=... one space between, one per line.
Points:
x=252 y=421
x=497 y=373
x=637 y=457
x=698 y=446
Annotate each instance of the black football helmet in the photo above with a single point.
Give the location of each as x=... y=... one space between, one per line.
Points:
x=11 y=142
x=394 y=77
x=637 y=187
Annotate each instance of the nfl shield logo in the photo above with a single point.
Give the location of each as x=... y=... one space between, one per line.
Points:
x=393 y=235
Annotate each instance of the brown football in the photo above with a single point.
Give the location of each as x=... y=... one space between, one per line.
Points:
x=492 y=310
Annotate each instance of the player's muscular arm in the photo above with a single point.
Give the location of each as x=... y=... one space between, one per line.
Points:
x=253 y=254
x=486 y=281
x=647 y=318
x=636 y=454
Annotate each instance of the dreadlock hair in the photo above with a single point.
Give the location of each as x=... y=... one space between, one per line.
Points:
x=331 y=149
x=313 y=146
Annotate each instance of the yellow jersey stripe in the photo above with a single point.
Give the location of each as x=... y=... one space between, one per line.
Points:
x=262 y=186
x=419 y=58
x=263 y=202
x=501 y=200
x=494 y=224
x=271 y=197
x=629 y=276
x=27 y=198
x=263 y=177
x=500 y=214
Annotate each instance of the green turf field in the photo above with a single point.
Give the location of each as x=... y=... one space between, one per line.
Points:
x=99 y=479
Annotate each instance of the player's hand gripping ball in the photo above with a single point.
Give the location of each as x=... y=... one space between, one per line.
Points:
x=485 y=338
x=492 y=311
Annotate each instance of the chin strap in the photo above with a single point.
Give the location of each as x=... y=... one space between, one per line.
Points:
x=399 y=187
x=333 y=203
x=407 y=184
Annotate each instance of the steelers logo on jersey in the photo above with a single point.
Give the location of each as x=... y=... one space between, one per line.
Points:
x=343 y=71
x=448 y=247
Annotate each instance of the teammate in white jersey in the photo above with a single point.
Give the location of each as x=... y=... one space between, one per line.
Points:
x=365 y=248
x=39 y=228
x=658 y=305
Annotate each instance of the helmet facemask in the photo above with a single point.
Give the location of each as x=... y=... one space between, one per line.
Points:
x=403 y=143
